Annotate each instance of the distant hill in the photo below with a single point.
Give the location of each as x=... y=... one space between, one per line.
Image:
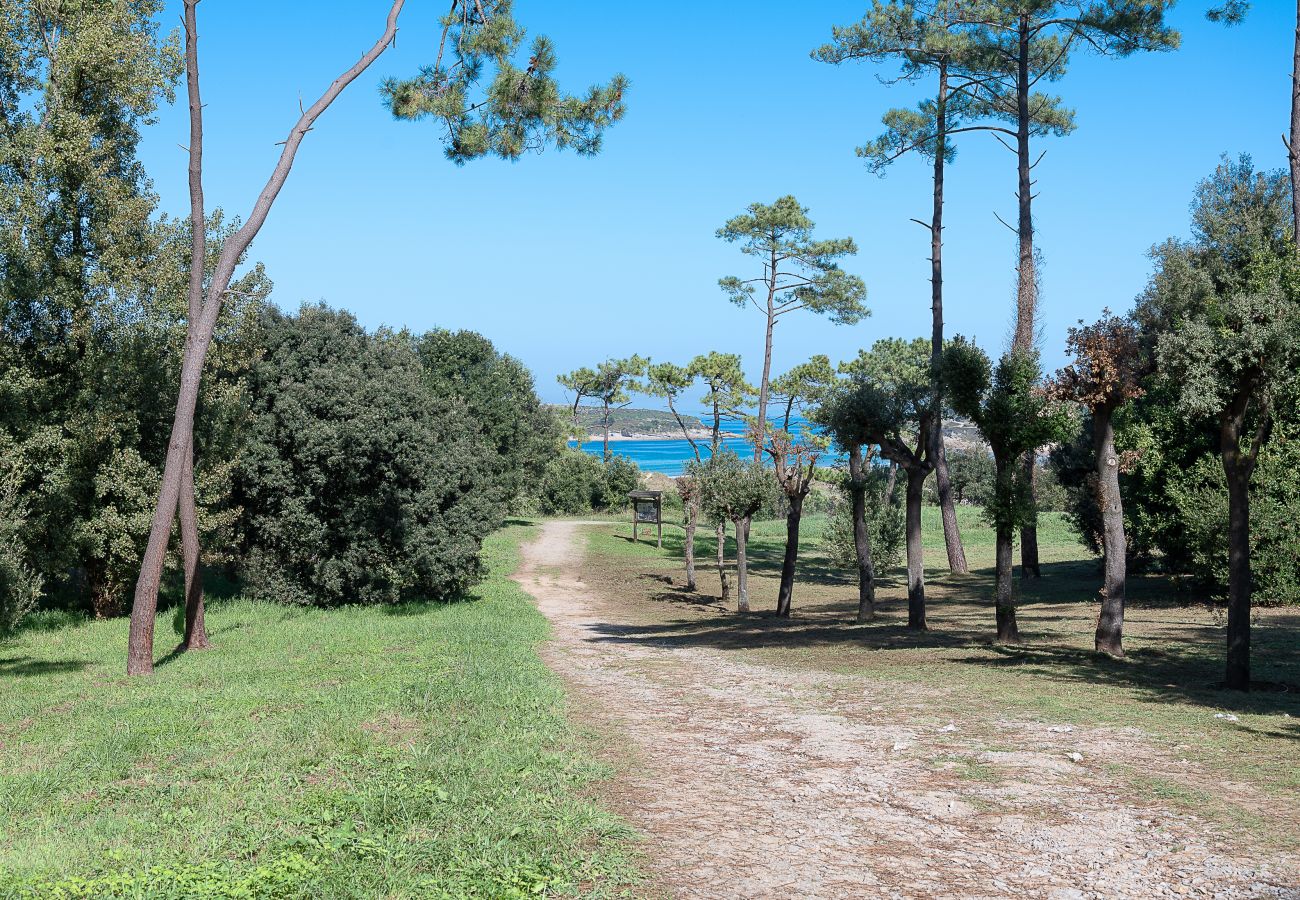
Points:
x=634 y=421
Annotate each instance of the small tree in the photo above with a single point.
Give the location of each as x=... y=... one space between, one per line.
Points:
x=733 y=491
x=610 y=383
x=894 y=398
x=670 y=381
x=798 y=272
x=1015 y=417
x=1108 y=366
x=1225 y=311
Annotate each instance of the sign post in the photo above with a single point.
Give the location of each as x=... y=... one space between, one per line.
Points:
x=647 y=509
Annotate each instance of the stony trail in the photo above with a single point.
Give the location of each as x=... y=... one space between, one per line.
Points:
x=750 y=780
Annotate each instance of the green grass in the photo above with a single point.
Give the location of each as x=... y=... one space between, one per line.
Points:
x=416 y=751
x=1240 y=771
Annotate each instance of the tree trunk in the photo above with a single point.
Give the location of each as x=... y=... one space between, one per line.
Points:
x=196 y=634
x=1004 y=598
x=951 y=532
x=862 y=537
x=763 y=385
x=1110 y=621
x=1237 y=469
x=891 y=482
x=1293 y=148
x=785 y=593
x=915 y=560
x=145 y=607
x=742 y=565
x=723 y=575
x=692 y=517
x=605 y=425
x=1029 y=565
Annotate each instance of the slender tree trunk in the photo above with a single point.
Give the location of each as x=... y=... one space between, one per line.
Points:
x=1004 y=598
x=742 y=565
x=723 y=575
x=1293 y=146
x=891 y=482
x=692 y=518
x=1110 y=621
x=785 y=593
x=1236 y=467
x=196 y=635
x=915 y=560
x=145 y=607
x=951 y=531
x=763 y=385
x=1029 y=563
x=605 y=424
x=1027 y=269
x=862 y=536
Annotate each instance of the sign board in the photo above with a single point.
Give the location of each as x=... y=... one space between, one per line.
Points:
x=647 y=509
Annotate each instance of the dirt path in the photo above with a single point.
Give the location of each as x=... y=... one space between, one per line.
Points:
x=751 y=781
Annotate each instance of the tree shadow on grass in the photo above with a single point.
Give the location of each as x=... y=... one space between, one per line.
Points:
x=27 y=667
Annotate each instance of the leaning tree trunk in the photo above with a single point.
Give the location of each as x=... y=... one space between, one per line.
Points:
x=144 y=610
x=785 y=593
x=1292 y=147
x=692 y=518
x=196 y=634
x=742 y=565
x=1110 y=621
x=1237 y=468
x=1027 y=270
x=915 y=559
x=723 y=575
x=951 y=531
x=1004 y=598
x=861 y=536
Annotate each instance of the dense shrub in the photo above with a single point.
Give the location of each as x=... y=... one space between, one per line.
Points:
x=971 y=474
x=358 y=484
x=885 y=525
x=20 y=585
x=1200 y=496
x=575 y=482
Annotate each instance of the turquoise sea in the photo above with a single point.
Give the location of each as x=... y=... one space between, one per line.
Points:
x=669 y=457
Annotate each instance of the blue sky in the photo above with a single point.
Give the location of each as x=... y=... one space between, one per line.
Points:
x=563 y=261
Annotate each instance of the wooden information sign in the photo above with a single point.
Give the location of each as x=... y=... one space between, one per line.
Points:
x=647 y=509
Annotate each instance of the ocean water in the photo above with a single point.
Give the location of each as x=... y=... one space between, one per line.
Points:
x=669 y=457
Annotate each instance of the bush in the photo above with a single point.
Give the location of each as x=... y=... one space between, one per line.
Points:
x=885 y=524
x=358 y=484
x=971 y=475
x=1201 y=498
x=20 y=586
x=575 y=482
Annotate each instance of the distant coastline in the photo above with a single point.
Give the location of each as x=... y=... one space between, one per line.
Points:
x=697 y=434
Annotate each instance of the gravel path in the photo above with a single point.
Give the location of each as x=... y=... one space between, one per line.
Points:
x=753 y=781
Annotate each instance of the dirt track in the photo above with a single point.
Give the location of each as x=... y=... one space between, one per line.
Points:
x=752 y=781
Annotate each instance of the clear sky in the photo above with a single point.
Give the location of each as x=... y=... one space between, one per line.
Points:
x=563 y=260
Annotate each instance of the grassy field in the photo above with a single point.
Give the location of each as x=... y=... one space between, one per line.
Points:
x=1226 y=756
x=418 y=751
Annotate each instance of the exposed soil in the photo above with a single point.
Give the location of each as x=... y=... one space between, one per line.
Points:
x=751 y=780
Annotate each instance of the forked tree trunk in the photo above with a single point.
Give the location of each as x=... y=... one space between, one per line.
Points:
x=742 y=565
x=723 y=575
x=1004 y=598
x=1110 y=621
x=948 y=511
x=862 y=536
x=915 y=559
x=785 y=594
x=145 y=608
x=692 y=518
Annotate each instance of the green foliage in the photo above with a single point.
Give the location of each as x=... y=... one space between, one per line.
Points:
x=731 y=490
x=728 y=391
x=575 y=482
x=504 y=410
x=1199 y=495
x=885 y=525
x=20 y=586
x=972 y=476
x=359 y=485
x=519 y=108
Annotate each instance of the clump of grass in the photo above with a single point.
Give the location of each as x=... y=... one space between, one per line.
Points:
x=420 y=750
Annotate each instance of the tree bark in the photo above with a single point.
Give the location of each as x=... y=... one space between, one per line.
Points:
x=785 y=593
x=1110 y=621
x=1004 y=598
x=742 y=565
x=605 y=425
x=692 y=518
x=1292 y=147
x=1237 y=469
x=915 y=560
x=723 y=576
x=763 y=384
x=951 y=531
x=891 y=482
x=1029 y=563
x=861 y=536
x=145 y=607
x=196 y=635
